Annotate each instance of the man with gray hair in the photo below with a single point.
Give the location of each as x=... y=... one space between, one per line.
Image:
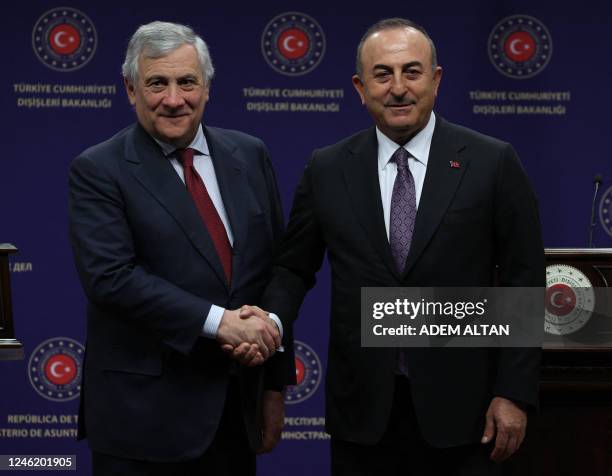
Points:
x=173 y=226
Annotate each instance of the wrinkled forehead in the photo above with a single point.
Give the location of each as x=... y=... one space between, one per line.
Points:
x=397 y=44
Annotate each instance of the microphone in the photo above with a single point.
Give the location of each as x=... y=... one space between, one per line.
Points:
x=597 y=181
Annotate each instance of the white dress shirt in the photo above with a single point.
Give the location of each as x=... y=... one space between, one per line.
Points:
x=418 y=148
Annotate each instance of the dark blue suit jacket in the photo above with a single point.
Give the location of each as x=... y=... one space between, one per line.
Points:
x=154 y=389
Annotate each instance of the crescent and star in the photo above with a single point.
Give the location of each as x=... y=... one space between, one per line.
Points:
x=513 y=46
x=554 y=301
x=288 y=40
x=57 y=39
x=53 y=369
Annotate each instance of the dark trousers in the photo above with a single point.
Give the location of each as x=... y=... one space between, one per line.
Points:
x=228 y=455
x=403 y=451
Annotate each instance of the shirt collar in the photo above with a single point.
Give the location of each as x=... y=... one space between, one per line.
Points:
x=198 y=144
x=418 y=146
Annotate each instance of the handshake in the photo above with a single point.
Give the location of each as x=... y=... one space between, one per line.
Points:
x=248 y=335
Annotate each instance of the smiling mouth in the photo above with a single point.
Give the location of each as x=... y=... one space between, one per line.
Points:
x=400 y=106
x=177 y=116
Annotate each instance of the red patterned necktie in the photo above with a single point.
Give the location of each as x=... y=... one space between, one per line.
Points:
x=208 y=212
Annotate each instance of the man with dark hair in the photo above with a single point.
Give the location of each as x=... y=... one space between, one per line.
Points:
x=414 y=201
x=173 y=226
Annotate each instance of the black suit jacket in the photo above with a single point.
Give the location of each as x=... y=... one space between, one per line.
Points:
x=470 y=220
x=153 y=388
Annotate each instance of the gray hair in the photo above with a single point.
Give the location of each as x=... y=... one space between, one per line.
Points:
x=157 y=39
x=392 y=24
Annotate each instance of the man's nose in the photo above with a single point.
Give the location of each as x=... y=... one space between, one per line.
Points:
x=173 y=97
x=398 y=84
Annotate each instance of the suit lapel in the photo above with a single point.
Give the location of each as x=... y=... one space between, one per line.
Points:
x=156 y=174
x=233 y=186
x=441 y=182
x=360 y=171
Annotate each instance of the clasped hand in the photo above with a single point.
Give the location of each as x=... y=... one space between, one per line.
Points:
x=248 y=335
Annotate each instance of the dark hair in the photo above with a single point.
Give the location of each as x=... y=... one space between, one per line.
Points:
x=392 y=24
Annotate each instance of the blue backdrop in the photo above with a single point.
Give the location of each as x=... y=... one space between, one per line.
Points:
x=531 y=74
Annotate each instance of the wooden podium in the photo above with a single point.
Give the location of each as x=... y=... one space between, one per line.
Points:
x=572 y=434
x=10 y=348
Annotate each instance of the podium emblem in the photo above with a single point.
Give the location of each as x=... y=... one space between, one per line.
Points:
x=570 y=299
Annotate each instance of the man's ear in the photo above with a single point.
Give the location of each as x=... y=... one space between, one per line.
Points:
x=437 y=77
x=129 y=89
x=359 y=87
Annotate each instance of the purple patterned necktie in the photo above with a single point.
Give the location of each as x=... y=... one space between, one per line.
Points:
x=401 y=226
x=403 y=210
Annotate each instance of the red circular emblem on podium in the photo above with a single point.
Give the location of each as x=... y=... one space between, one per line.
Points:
x=560 y=299
x=570 y=299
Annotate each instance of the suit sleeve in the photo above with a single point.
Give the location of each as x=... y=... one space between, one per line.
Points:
x=520 y=257
x=299 y=257
x=279 y=370
x=108 y=266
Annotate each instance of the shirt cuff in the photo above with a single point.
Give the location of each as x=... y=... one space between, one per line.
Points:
x=211 y=324
x=278 y=322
